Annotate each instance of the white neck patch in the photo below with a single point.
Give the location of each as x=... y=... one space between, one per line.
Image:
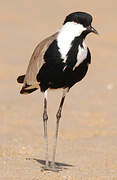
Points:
x=82 y=54
x=66 y=35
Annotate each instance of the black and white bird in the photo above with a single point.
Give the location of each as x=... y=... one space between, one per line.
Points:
x=59 y=61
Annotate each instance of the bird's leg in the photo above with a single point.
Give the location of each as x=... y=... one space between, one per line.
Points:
x=45 y=118
x=58 y=116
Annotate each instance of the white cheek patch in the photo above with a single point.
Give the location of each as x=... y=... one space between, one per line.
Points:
x=66 y=35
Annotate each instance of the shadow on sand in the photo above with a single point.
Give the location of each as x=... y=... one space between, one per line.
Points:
x=60 y=166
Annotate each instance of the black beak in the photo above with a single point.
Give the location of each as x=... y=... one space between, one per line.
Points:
x=91 y=29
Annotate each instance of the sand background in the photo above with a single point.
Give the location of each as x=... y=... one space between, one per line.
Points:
x=88 y=128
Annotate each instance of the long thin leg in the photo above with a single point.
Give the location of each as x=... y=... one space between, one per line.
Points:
x=45 y=118
x=58 y=116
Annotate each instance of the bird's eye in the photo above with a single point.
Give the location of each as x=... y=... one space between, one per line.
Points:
x=75 y=20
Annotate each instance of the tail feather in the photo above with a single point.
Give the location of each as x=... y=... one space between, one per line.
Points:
x=27 y=89
x=20 y=79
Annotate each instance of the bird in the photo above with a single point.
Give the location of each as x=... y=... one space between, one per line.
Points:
x=59 y=61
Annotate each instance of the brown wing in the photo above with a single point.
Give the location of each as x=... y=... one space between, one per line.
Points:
x=30 y=82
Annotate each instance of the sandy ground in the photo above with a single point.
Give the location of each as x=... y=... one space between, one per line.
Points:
x=87 y=144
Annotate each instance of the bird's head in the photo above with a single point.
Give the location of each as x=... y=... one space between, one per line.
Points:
x=83 y=21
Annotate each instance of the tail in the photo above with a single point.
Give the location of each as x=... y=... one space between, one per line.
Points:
x=26 y=89
x=20 y=79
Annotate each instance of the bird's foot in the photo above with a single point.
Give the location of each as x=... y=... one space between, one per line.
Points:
x=51 y=167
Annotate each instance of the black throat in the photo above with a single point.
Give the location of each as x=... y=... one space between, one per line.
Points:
x=73 y=51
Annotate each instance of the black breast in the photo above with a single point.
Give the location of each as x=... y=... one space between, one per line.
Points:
x=56 y=74
x=79 y=73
